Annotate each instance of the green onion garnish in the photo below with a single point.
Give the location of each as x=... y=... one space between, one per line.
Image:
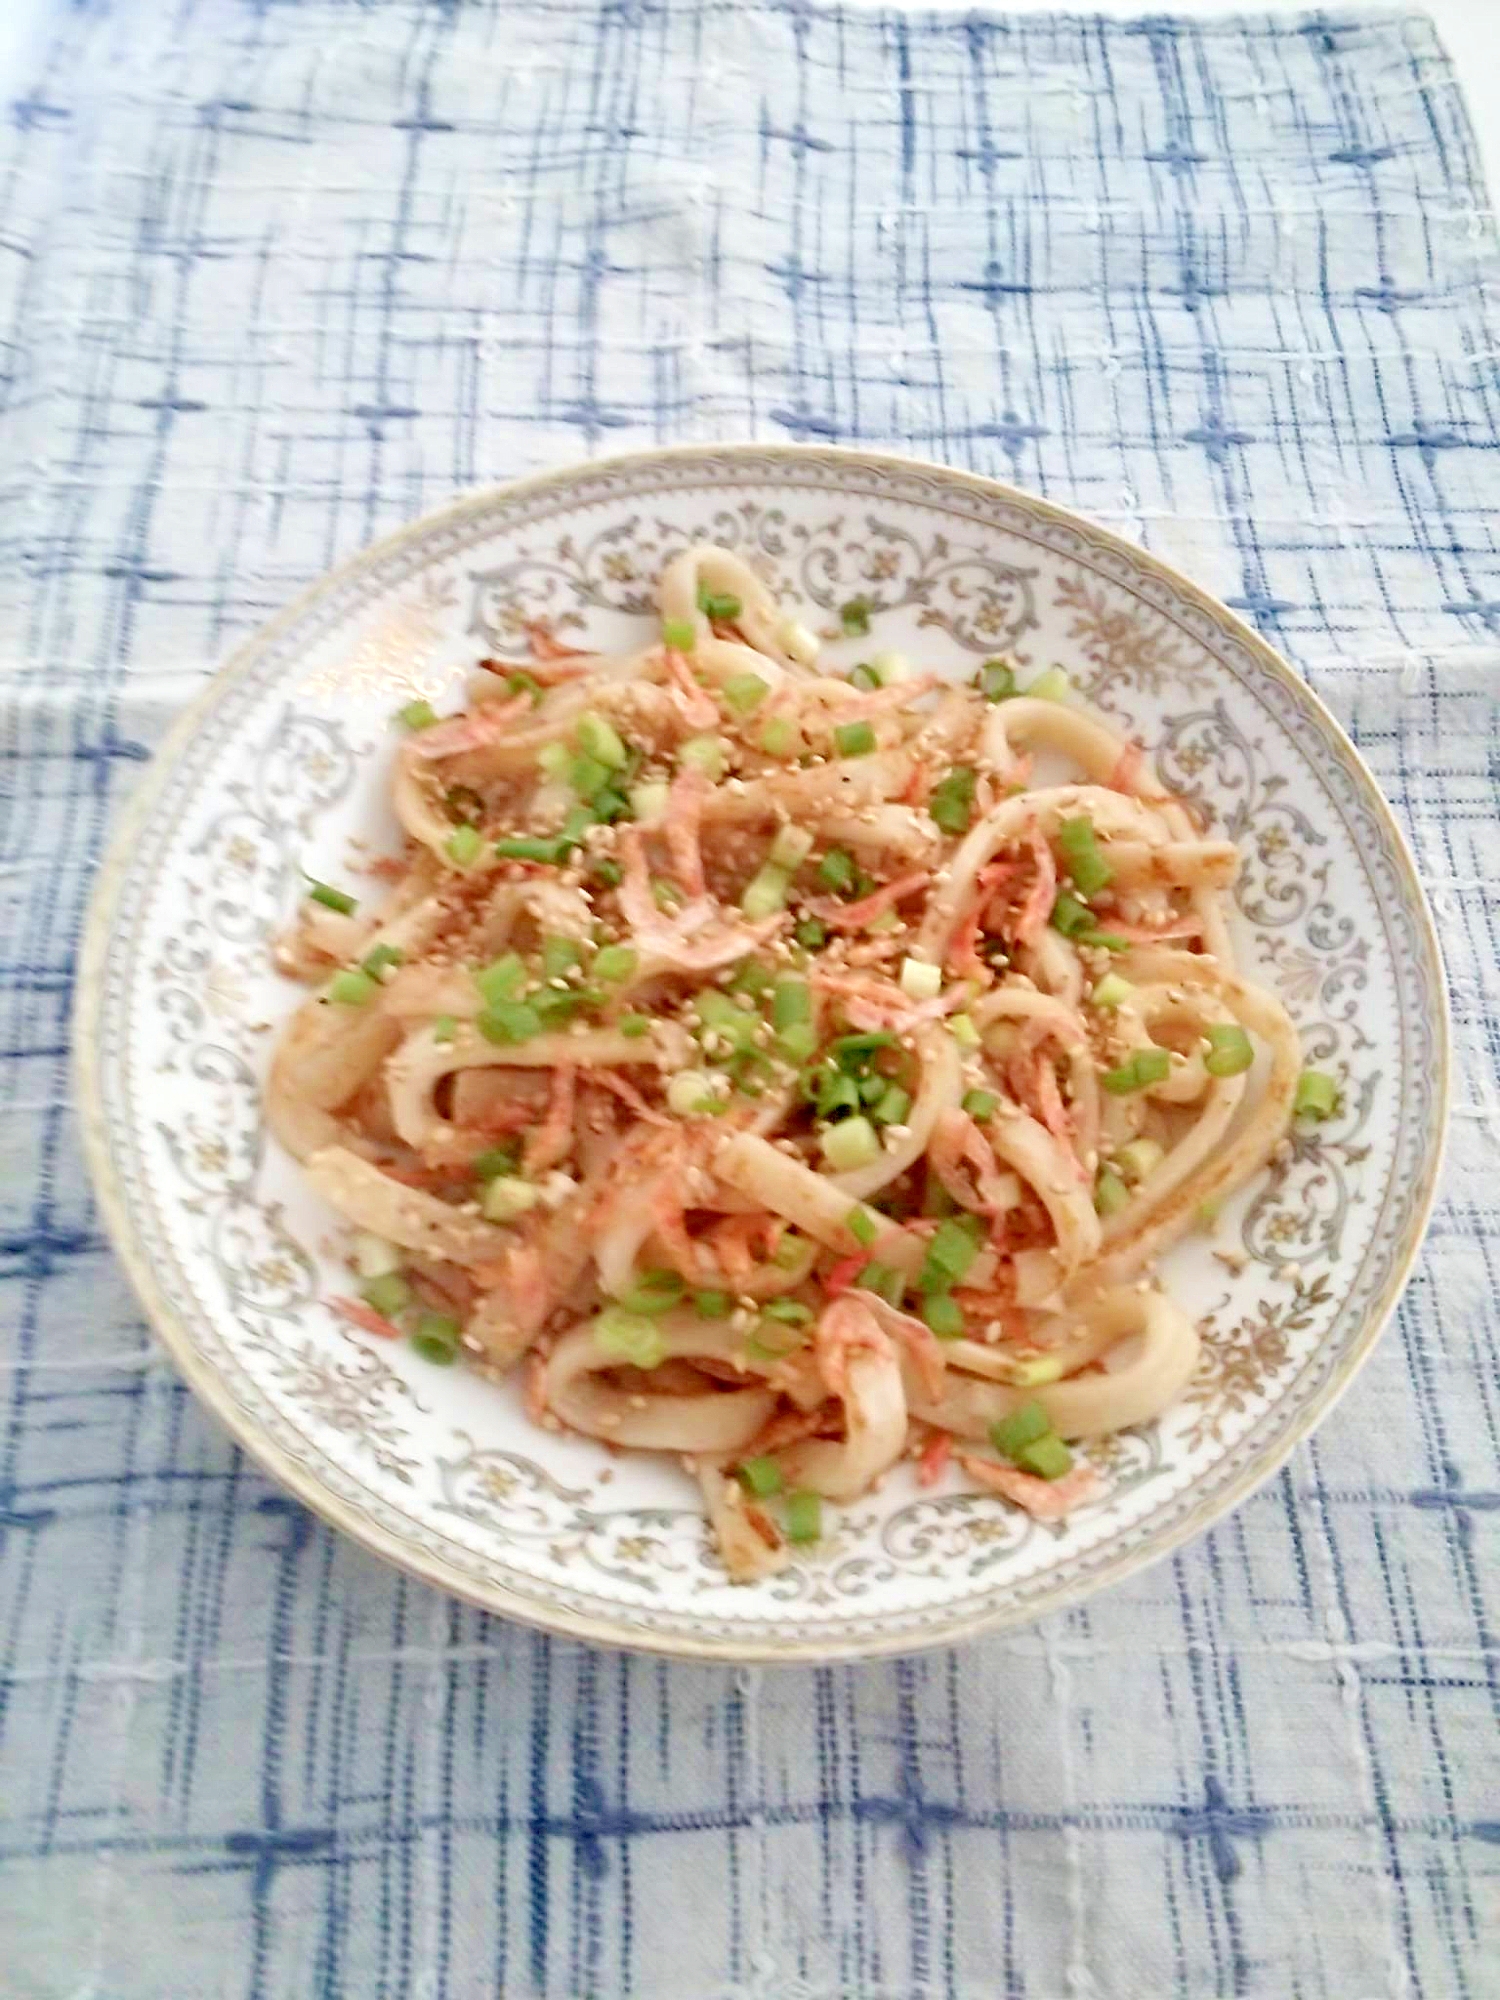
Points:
x=351 y=987
x=864 y=678
x=722 y=609
x=1230 y=1053
x=436 y=1338
x=524 y=848
x=712 y=1305
x=765 y=894
x=444 y=1028
x=791 y=1001
x=811 y=933
x=965 y=1031
x=331 y=899
x=1070 y=916
x=559 y=955
x=1080 y=847
x=1317 y=1095
x=1111 y=991
x=416 y=715
x=980 y=1104
x=653 y=1292
x=502 y=979
x=1025 y=1424
x=944 y=1315
x=761 y=1476
x=707 y=754
x=997 y=680
x=601 y=740
x=804 y=1516
x=862 y=1225
x=1053 y=685
x=628 y=1336
x=614 y=962
x=885 y=1281
x=380 y=958
x=1047 y=1458
x=745 y=692
x=497 y=1160
x=587 y=775
x=509 y=1021
x=1146 y=1066
x=791 y=1312
x=1110 y=1193
x=950 y=1252
x=855 y=616
x=607 y=873
x=850 y=1144
x=854 y=739
x=388 y=1294
x=779 y=736
x=836 y=870
x=463 y=846
x=798 y=1041
x=892 y=1105
x=633 y=1026
x=952 y=801
x=681 y=634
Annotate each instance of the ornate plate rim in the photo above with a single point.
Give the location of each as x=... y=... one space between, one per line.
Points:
x=304 y=1483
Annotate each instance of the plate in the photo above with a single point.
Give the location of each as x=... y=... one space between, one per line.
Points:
x=282 y=761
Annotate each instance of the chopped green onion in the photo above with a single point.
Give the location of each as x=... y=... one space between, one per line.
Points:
x=964 y=1032
x=804 y=1516
x=1047 y=1458
x=601 y=740
x=653 y=1292
x=707 y=754
x=634 y=1026
x=351 y=987
x=440 y=1328
x=501 y=979
x=1230 y=1052
x=331 y=899
x=885 y=1281
x=444 y=1028
x=811 y=934
x=791 y=1312
x=761 y=1476
x=780 y=737
x=381 y=958
x=497 y=1160
x=836 y=870
x=712 y=1305
x=1032 y=1371
x=1317 y=1095
x=1144 y=1067
x=507 y=1198
x=1111 y=991
x=723 y=609
x=606 y=872
x=864 y=678
x=850 y=1144
x=416 y=715
x=1080 y=847
x=766 y=892
x=997 y=680
x=681 y=634
x=791 y=1003
x=525 y=848
x=559 y=955
x=1053 y=685
x=614 y=962
x=1070 y=916
x=854 y=739
x=509 y=1021
x=631 y=1337
x=553 y=760
x=754 y=977
x=943 y=1315
x=1110 y=1193
x=920 y=979
x=667 y=895
x=463 y=845
x=888 y=668
x=798 y=1041
x=791 y=847
x=1139 y=1158
x=649 y=800
x=388 y=1294
x=745 y=692
x=892 y=1105
x=855 y=616
x=952 y=801
x=1104 y=940
x=980 y=1104
x=1025 y=1424
x=587 y=776
x=720 y=1016
x=950 y=1251
x=862 y=1225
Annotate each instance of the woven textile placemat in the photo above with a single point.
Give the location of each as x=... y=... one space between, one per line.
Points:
x=277 y=275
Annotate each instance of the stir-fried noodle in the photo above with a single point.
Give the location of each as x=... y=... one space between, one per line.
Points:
x=776 y=1070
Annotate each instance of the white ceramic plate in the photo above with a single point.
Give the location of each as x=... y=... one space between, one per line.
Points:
x=284 y=758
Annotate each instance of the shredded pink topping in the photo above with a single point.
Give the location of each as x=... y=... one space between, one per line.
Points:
x=695 y=704
x=360 y=1315
x=552 y=1140
x=855 y=916
x=672 y=938
x=1042 y=895
x=1043 y=1499
x=936 y=1454
x=690 y=792
x=474 y=730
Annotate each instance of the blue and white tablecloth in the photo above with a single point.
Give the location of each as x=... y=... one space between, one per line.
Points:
x=276 y=275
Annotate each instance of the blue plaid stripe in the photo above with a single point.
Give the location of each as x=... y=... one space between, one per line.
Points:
x=276 y=275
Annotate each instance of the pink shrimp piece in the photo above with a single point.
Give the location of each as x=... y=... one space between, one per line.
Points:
x=844 y=1272
x=848 y=1327
x=696 y=706
x=956 y=1141
x=552 y=1140
x=855 y=916
x=915 y=1336
x=1043 y=1499
x=671 y=939
x=536 y=1387
x=918 y=785
x=546 y=647
x=687 y=1257
x=1126 y=774
x=1042 y=895
x=1185 y=927
x=689 y=793
x=365 y=1317
x=935 y=1458
x=860 y=704
x=628 y=1094
x=789 y=1427
x=472 y=731
x=963 y=959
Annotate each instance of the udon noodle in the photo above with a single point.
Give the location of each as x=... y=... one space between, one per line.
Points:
x=788 y=1070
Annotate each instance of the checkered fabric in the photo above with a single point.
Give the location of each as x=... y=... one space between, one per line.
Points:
x=276 y=275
